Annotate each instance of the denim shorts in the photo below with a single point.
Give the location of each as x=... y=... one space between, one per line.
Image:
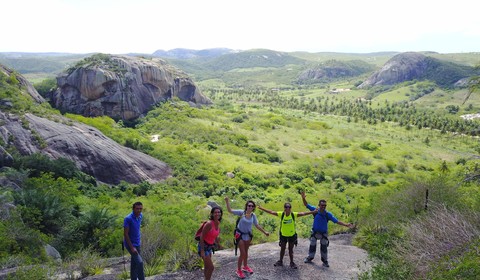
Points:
x=208 y=249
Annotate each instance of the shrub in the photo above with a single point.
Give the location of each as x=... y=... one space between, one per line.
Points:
x=435 y=234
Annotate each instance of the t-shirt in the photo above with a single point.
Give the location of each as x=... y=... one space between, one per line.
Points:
x=245 y=224
x=288 y=224
x=133 y=224
x=320 y=221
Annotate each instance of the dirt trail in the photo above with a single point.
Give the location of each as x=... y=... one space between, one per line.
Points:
x=346 y=261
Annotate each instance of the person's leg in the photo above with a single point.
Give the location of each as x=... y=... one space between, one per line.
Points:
x=139 y=265
x=290 y=249
x=323 y=250
x=245 y=259
x=208 y=265
x=133 y=265
x=313 y=247
x=283 y=245
x=243 y=253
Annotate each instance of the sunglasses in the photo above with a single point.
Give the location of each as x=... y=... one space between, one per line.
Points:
x=287 y=206
x=250 y=205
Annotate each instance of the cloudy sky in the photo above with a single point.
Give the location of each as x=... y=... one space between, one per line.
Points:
x=144 y=26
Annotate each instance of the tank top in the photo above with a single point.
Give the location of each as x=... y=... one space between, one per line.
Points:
x=210 y=237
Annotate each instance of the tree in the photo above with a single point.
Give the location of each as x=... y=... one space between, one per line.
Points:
x=473 y=84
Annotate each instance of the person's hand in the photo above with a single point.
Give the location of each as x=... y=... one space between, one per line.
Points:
x=350 y=225
x=267 y=233
x=303 y=194
x=134 y=251
x=226 y=199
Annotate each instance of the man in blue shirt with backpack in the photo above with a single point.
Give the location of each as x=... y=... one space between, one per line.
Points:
x=320 y=230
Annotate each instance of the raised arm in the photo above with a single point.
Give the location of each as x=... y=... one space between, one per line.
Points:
x=268 y=211
x=300 y=214
x=304 y=199
x=227 y=201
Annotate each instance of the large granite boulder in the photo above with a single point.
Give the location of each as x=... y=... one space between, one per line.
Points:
x=92 y=152
x=122 y=87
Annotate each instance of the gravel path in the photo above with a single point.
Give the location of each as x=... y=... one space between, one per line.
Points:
x=345 y=260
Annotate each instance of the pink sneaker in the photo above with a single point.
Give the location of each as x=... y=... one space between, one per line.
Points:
x=240 y=274
x=247 y=269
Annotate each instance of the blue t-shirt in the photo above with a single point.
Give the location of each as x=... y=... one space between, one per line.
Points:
x=320 y=221
x=133 y=224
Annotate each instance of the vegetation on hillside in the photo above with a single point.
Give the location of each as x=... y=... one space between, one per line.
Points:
x=373 y=160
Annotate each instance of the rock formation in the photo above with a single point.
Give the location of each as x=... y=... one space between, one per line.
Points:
x=92 y=152
x=121 y=87
x=411 y=66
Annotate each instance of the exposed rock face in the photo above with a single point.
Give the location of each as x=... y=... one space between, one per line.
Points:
x=122 y=87
x=88 y=148
x=402 y=67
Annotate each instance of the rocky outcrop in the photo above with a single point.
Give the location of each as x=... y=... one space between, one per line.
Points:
x=122 y=87
x=411 y=66
x=400 y=68
x=92 y=152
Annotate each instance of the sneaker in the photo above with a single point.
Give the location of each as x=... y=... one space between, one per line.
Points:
x=325 y=264
x=247 y=269
x=308 y=260
x=293 y=265
x=240 y=274
x=278 y=263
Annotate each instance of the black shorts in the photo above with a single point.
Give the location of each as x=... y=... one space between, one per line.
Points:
x=289 y=239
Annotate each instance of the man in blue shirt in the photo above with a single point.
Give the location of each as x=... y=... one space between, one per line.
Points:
x=320 y=230
x=132 y=240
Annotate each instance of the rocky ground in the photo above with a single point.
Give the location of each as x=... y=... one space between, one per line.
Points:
x=346 y=261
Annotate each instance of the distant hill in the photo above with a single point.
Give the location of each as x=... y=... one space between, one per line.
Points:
x=334 y=69
x=49 y=63
x=180 y=53
x=411 y=66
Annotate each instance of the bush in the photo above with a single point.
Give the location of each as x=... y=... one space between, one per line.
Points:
x=435 y=234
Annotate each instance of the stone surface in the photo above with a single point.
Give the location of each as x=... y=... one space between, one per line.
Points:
x=122 y=87
x=92 y=152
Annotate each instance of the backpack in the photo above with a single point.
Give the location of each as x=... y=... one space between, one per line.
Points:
x=237 y=234
x=199 y=231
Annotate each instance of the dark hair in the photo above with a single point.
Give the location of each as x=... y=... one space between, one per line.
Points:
x=213 y=211
x=322 y=200
x=250 y=201
x=138 y=203
x=287 y=203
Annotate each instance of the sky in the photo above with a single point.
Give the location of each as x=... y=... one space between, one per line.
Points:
x=144 y=26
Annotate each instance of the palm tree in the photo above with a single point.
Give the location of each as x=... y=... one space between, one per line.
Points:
x=473 y=84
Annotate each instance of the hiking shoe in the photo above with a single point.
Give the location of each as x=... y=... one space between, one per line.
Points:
x=240 y=274
x=325 y=264
x=247 y=269
x=308 y=260
x=278 y=263
x=293 y=265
